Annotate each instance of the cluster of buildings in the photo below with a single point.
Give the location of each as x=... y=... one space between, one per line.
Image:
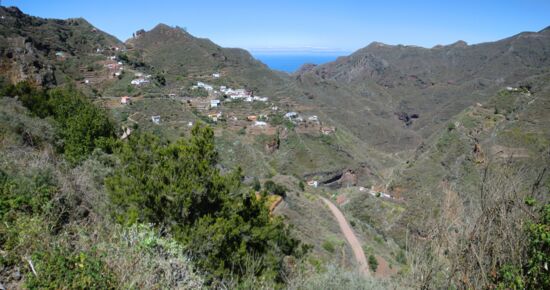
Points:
x=140 y=79
x=233 y=94
x=296 y=118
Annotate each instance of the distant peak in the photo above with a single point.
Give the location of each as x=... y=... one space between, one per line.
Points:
x=377 y=44
x=545 y=30
x=163 y=28
x=460 y=43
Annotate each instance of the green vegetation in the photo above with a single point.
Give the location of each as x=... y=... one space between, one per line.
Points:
x=534 y=273
x=373 y=263
x=328 y=246
x=177 y=187
x=61 y=269
x=82 y=126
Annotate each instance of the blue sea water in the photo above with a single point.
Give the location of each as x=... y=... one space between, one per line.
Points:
x=291 y=62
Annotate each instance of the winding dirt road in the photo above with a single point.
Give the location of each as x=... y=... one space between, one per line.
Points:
x=350 y=237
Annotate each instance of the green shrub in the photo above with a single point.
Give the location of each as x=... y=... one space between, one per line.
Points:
x=81 y=125
x=273 y=188
x=61 y=269
x=373 y=263
x=328 y=246
x=177 y=187
x=401 y=257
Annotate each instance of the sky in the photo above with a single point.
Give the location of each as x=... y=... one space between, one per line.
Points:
x=293 y=26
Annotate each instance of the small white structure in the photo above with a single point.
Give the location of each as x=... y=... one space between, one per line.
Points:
x=223 y=88
x=214 y=103
x=216 y=75
x=125 y=133
x=260 y=99
x=274 y=108
x=190 y=124
x=291 y=115
x=248 y=99
x=155 y=119
x=138 y=74
x=86 y=81
x=205 y=86
x=313 y=183
x=215 y=116
x=313 y=118
x=140 y=81
x=260 y=124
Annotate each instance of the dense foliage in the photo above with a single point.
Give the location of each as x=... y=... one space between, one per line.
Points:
x=178 y=187
x=82 y=126
x=535 y=273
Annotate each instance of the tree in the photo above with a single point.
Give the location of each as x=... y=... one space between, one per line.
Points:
x=178 y=187
x=373 y=263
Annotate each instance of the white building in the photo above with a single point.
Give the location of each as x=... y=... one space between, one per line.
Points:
x=216 y=75
x=313 y=118
x=139 y=81
x=260 y=124
x=204 y=86
x=214 y=103
x=260 y=99
x=291 y=115
x=155 y=119
x=313 y=183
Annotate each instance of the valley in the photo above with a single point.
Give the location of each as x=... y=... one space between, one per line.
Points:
x=380 y=163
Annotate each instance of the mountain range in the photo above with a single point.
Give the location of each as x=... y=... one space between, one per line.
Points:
x=411 y=124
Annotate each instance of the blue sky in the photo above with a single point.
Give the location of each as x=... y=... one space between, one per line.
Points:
x=321 y=26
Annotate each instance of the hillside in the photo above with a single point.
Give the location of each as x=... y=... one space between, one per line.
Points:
x=184 y=58
x=393 y=97
x=168 y=161
x=47 y=50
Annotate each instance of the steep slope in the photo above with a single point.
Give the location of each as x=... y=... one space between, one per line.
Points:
x=383 y=86
x=33 y=47
x=510 y=130
x=182 y=56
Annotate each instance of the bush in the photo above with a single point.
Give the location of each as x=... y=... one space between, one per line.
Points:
x=61 y=269
x=401 y=257
x=273 y=188
x=177 y=187
x=373 y=263
x=328 y=246
x=81 y=125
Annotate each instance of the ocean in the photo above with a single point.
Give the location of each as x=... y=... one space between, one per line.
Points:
x=291 y=62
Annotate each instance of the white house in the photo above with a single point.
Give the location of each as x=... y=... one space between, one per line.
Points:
x=291 y=115
x=139 y=81
x=260 y=99
x=260 y=124
x=313 y=183
x=204 y=86
x=313 y=118
x=155 y=119
x=214 y=103
x=216 y=75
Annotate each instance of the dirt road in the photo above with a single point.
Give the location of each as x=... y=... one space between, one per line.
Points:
x=350 y=237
